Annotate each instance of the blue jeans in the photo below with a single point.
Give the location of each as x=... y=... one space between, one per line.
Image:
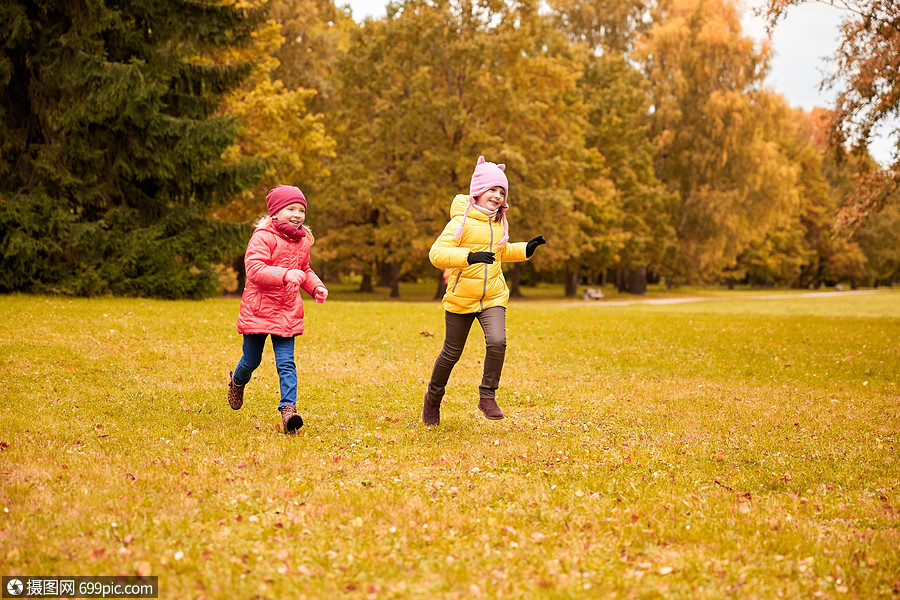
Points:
x=284 y=362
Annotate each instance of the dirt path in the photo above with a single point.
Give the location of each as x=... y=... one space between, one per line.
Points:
x=722 y=298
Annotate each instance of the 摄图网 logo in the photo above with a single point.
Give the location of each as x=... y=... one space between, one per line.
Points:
x=14 y=587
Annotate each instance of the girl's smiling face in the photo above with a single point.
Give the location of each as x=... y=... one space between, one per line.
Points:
x=294 y=214
x=491 y=199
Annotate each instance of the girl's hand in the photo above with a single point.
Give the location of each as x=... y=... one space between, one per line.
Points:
x=294 y=277
x=480 y=257
x=532 y=245
x=320 y=294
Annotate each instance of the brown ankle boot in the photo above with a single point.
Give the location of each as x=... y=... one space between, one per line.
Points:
x=431 y=411
x=290 y=419
x=235 y=393
x=490 y=409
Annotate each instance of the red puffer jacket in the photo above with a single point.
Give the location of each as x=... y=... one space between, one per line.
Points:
x=268 y=305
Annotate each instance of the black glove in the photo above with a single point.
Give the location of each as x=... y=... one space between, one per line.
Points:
x=480 y=257
x=532 y=244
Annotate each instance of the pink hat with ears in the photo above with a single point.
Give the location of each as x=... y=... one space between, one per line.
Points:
x=486 y=176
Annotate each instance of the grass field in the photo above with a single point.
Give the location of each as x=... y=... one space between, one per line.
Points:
x=734 y=448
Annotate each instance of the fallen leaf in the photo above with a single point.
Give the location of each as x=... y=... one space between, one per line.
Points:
x=97 y=554
x=144 y=569
x=665 y=570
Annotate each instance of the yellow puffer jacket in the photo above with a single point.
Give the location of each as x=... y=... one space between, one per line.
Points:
x=473 y=288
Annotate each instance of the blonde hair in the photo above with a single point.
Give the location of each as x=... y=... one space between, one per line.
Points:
x=266 y=219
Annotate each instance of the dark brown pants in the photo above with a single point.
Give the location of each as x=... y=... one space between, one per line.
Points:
x=493 y=323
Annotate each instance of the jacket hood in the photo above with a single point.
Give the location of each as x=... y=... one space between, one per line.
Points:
x=459 y=205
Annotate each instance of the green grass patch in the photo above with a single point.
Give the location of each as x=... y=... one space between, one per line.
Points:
x=741 y=447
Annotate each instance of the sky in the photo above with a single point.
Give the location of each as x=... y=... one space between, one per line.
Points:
x=803 y=43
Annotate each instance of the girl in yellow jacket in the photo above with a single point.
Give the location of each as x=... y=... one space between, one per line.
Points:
x=472 y=246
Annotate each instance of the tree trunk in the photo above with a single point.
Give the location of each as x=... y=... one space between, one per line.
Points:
x=366 y=284
x=571 y=283
x=638 y=284
x=532 y=276
x=816 y=282
x=441 y=286
x=515 y=277
x=385 y=274
x=395 y=279
x=853 y=284
x=238 y=266
x=620 y=280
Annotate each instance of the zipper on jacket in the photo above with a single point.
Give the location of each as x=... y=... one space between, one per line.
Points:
x=484 y=285
x=456 y=283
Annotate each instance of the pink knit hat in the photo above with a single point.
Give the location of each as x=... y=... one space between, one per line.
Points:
x=283 y=195
x=486 y=176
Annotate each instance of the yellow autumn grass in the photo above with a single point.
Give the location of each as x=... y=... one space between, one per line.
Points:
x=740 y=448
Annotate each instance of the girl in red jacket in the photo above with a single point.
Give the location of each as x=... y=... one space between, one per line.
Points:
x=277 y=265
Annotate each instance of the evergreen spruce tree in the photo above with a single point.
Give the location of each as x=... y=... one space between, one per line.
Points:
x=111 y=144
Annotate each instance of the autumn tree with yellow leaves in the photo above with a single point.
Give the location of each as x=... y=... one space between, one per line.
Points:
x=420 y=95
x=867 y=80
x=718 y=131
